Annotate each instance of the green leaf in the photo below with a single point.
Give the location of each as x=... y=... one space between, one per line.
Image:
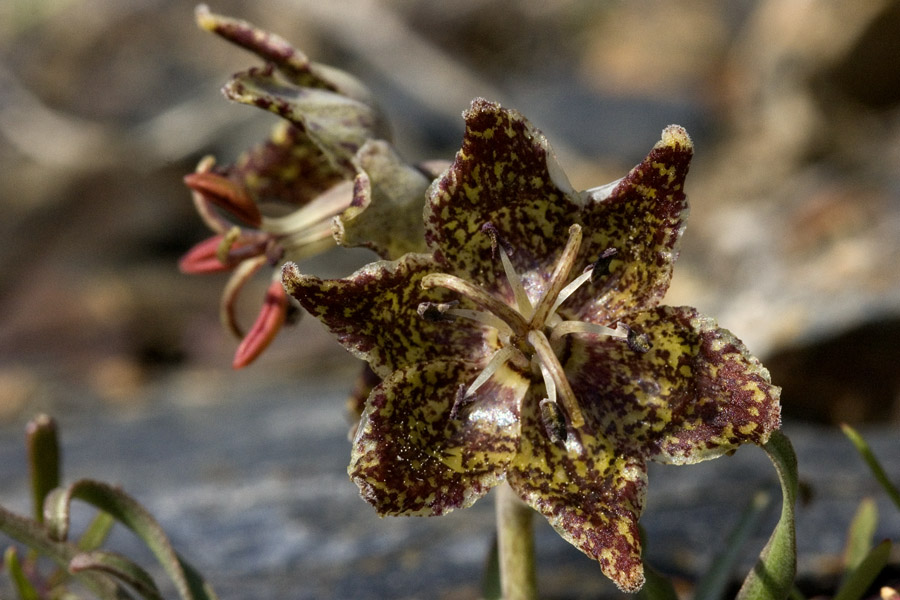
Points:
x=36 y=537
x=42 y=443
x=118 y=566
x=126 y=510
x=714 y=582
x=857 y=581
x=861 y=534
x=866 y=452
x=772 y=577
x=656 y=586
x=23 y=586
x=96 y=532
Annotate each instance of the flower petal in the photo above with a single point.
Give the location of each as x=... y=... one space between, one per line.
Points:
x=373 y=313
x=288 y=168
x=642 y=217
x=338 y=125
x=505 y=174
x=696 y=394
x=411 y=458
x=289 y=61
x=591 y=493
x=386 y=213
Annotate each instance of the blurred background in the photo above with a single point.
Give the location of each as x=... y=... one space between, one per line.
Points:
x=793 y=241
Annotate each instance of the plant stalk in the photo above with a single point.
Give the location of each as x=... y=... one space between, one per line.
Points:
x=515 y=539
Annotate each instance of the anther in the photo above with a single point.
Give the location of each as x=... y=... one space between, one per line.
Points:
x=601 y=266
x=460 y=399
x=554 y=421
x=638 y=342
x=436 y=311
x=496 y=239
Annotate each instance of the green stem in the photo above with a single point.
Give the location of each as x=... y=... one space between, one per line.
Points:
x=515 y=546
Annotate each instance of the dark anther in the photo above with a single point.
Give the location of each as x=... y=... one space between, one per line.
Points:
x=496 y=238
x=461 y=399
x=274 y=252
x=601 y=267
x=554 y=421
x=638 y=342
x=435 y=311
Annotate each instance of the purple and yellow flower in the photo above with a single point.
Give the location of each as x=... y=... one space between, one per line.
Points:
x=314 y=180
x=528 y=345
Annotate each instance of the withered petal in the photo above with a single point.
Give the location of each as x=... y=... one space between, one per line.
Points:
x=373 y=314
x=696 y=394
x=411 y=457
x=591 y=493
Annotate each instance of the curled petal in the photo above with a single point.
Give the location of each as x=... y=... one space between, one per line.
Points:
x=388 y=197
x=292 y=63
x=591 y=493
x=268 y=323
x=505 y=174
x=641 y=218
x=338 y=125
x=697 y=393
x=374 y=314
x=227 y=195
x=411 y=457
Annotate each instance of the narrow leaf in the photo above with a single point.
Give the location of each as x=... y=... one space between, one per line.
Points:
x=857 y=581
x=861 y=534
x=120 y=567
x=714 y=582
x=656 y=586
x=773 y=575
x=866 y=452
x=20 y=581
x=42 y=442
x=96 y=533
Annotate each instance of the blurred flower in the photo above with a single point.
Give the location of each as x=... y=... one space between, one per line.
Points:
x=325 y=174
x=529 y=347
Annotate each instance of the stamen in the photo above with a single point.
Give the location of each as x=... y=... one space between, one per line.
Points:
x=506 y=313
x=566 y=327
x=547 y=358
x=554 y=421
x=558 y=278
x=435 y=311
x=489 y=319
x=497 y=360
x=638 y=342
x=322 y=208
x=570 y=289
x=228 y=240
x=461 y=399
x=515 y=282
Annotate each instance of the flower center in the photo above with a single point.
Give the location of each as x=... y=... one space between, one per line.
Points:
x=528 y=332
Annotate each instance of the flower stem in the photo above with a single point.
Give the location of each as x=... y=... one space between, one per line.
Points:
x=516 y=546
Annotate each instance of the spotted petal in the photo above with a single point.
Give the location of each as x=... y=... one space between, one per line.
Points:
x=589 y=491
x=506 y=174
x=338 y=125
x=410 y=457
x=696 y=394
x=288 y=168
x=275 y=50
x=373 y=313
x=642 y=217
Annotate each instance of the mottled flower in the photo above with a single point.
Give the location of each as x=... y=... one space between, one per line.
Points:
x=313 y=180
x=529 y=346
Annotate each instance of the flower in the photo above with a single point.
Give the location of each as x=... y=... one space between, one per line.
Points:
x=529 y=345
x=313 y=181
